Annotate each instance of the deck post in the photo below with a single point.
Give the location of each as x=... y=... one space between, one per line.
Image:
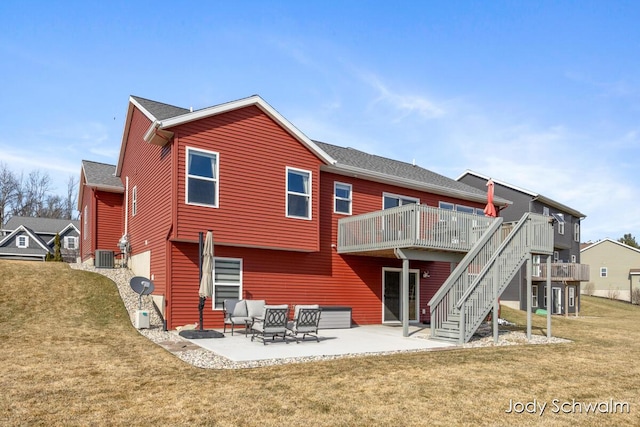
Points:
x=548 y=302
x=496 y=307
x=405 y=297
x=529 y=279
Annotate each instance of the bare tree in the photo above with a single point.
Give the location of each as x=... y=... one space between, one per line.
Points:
x=8 y=192
x=32 y=194
x=72 y=194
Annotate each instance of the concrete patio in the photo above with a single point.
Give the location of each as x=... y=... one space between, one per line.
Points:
x=369 y=339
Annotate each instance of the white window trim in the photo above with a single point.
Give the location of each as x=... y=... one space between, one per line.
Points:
x=534 y=295
x=572 y=296
x=556 y=256
x=26 y=241
x=336 y=198
x=545 y=211
x=574 y=259
x=576 y=232
x=560 y=224
x=85 y=229
x=287 y=192
x=453 y=206
x=215 y=179
x=134 y=200
x=399 y=197
x=605 y=271
x=239 y=285
x=67 y=239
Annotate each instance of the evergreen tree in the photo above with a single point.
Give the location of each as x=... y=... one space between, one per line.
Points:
x=56 y=247
x=629 y=240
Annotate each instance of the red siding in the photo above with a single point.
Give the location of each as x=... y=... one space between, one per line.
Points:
x=86 y=235
x=108 y=217
x=254 y=152
x=148 y=168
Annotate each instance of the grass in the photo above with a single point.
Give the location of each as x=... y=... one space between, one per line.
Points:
x=71 y=357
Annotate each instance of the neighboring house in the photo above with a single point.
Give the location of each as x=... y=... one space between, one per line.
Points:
x=567 y=272
x=295 y=221
x=614 y=268
x=100 y=201
x=29 y=238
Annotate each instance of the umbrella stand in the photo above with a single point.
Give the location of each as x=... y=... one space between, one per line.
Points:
x=201 y=333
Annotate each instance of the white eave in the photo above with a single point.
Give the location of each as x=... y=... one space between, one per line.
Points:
x=158 y=131
x=409 y=183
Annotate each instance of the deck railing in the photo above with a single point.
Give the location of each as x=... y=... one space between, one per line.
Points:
x=571 y=272
x=411 y=226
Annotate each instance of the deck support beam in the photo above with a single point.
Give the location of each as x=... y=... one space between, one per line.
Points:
x=548 y=302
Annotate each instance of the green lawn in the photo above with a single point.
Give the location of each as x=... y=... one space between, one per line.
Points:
x=71 y=357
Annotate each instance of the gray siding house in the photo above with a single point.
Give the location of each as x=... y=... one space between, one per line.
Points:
x=28 y=238
x=566 y=271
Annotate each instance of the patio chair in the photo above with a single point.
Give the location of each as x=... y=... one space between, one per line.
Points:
x=305 y=321
x=273 y=324
x=235 y=313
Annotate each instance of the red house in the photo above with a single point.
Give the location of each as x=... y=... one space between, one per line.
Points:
x=295 y=221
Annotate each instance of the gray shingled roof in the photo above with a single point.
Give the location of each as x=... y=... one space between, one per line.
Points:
x=40 y=225
x=100 y=174
x=360 y=159
x=159 y=110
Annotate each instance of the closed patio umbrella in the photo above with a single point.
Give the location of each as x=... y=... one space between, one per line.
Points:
x=206 y=289
x=206 y=281
x=490 y=209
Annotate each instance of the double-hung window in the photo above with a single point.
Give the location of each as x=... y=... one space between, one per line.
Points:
x=227 y=280
x=342 y=198
x=534 y=295
x=85 y=225
x=603 y=271
x=576 y=232
x=572 y=296
x=22 y=242
x=298 y=193
x=134 y=201
x=560 y=223
x=202 y=177
x=70 y=242
x=393 y=200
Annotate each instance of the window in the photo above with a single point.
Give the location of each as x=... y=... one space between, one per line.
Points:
x=85 y=227
x=445 y=205
x=342 y=198
x=576 y=232
x=603 y=271
x=556 y=256
x=134 y=201
x=480 y=211
x=22 y=242
x=572 y=296
x=393 y=200
x=574 y=259
x=227 y=280
x=202 y=178
x=560 y=223
x=545 y=211
x=298 y=193
x=534 y=295
x=465 y=209
x=71 y=242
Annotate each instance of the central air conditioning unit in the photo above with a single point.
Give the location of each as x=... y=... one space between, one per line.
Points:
x=104 y=259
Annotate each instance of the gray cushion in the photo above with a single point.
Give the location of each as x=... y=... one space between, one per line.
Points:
x=240 y=310
x=255 y=307
x=298 y=307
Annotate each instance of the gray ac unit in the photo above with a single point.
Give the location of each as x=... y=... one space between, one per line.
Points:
x=104 y=259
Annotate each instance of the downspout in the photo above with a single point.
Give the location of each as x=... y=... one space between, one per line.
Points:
x=405 y=290
x=126 y=206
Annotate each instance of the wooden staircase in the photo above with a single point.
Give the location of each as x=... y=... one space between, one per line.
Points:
x=469 y=294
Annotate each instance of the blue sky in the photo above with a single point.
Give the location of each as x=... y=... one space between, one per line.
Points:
x=543 y=95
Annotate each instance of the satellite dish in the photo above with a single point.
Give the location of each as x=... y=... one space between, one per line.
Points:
x=141 y=286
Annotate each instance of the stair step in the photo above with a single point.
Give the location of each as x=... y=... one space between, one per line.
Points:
x=447 y=333
x=444 y=339
x=448 y=324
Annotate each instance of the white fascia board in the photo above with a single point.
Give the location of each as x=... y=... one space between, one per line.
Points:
x=241 y=103
x=23 y=228
x=497 y=181
x=607 y=239
x=107 y=188
x=408 y=183
x=61 y=232
x=127 y=125
x=559 y=206
x=81 y=186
